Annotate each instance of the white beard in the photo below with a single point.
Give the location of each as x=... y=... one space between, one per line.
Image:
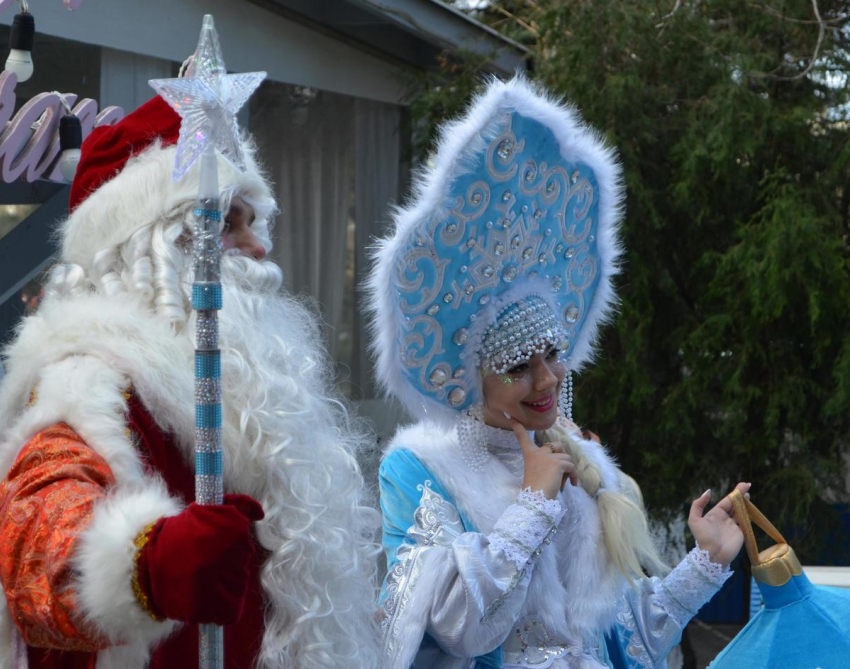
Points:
x=296 y=453
x=288 y=440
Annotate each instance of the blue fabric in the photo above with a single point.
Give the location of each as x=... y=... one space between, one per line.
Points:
x=520 y=215
x=801 y=625
x=401 y=476
x=615 y=649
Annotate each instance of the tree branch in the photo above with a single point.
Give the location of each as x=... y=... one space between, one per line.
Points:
x=518 y=20
x=667 y=17
x=821 y=34
x=767 y=9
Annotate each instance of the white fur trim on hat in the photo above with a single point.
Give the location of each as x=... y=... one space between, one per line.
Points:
x=143 y=193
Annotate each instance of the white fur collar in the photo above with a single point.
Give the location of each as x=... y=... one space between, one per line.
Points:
x=132 y=346
x=574 y=589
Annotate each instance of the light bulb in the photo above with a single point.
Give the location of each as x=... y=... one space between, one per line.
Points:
x=20 y=62
x=70 y=141
x=68 y=162
x=20 y=42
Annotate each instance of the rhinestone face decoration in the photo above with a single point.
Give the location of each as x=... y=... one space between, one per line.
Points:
x=512 y=216
x=524 y=328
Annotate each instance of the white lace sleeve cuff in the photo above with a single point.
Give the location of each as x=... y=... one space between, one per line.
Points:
x=690 y=585
x=526 y=524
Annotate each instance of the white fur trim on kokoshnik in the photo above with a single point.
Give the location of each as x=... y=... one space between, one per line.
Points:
x=522 y=199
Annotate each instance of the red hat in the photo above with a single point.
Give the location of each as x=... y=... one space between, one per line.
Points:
x=123 y=183
x=108 y=148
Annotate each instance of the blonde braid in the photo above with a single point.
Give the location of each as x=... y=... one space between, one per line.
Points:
x=621 y=512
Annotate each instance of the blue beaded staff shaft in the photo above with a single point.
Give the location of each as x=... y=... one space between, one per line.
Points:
x=207 y=100
x=207 y=301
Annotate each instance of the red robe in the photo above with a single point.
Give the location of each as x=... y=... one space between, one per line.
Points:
x=46 y=500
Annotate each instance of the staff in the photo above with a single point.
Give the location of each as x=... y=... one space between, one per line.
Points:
x=207 y=100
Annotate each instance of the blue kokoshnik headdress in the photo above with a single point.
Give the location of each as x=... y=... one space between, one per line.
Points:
x=508 y=245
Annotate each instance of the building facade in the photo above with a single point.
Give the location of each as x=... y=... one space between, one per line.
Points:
x=330 y=124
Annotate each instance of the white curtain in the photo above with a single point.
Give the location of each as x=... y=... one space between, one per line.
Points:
x=306 y=142
x=380 y=177
x=338 y=164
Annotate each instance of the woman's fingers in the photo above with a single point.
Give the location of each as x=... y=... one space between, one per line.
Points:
x=725 y=504
x=565 y=463
x=522 y=436
x=554 y=447
x=568 y=467
x=698 y=505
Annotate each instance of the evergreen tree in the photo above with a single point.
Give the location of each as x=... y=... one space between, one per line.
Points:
x=730 y=357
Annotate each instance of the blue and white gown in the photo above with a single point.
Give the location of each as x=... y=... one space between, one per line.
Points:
x=482 y=574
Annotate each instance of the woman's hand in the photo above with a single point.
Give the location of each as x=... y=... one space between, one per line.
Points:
x=547 y=468
x=717 y=531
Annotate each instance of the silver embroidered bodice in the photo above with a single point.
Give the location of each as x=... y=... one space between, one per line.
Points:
x=470 y=591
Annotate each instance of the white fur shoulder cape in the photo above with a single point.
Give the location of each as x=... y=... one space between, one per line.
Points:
x=80 y=355
x=574 y=589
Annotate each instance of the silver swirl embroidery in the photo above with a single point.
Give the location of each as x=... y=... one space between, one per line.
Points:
x=412 y=287
x=497 y=603
x=435 y=523
x=636 y=649
x=531 y=645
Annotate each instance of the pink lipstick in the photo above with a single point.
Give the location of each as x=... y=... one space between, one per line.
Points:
x=542 y=405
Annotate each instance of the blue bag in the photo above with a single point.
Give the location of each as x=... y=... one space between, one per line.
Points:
x=801 y=626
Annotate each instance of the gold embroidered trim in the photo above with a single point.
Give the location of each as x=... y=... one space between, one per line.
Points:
x=140 y=542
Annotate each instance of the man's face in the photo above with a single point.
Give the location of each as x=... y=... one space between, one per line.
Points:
x=237 y=232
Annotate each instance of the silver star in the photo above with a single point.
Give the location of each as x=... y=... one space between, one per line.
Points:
x=207 y=100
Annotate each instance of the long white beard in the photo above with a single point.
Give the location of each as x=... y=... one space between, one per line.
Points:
x=290 y=443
